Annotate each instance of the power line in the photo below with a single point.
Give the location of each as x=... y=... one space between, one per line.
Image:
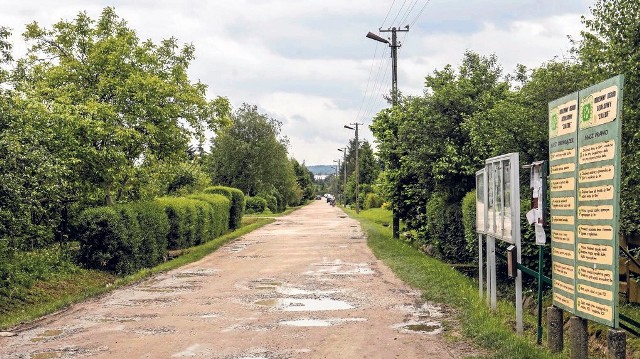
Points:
x=420 y=13
x=388 y=12
x=408 y=12
x=368 y=80
x=399 y=11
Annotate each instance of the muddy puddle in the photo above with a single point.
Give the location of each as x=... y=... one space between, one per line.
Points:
x=421 y=319
x=320 y=322
x=49 y=333
x=305 y=305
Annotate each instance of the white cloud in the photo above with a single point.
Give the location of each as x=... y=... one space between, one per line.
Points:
x=307 y=63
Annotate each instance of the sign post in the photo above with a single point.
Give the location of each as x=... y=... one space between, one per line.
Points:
x=584 y=159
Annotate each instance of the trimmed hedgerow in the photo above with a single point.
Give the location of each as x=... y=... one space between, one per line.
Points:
x=109 y=239
x=182 y=215
x=218 y=217
x=237 y=203
x=255 y=204
x=272 y=202
x=154 y=228
x=469 y=221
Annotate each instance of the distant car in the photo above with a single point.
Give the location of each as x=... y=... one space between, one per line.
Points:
x=318 y=197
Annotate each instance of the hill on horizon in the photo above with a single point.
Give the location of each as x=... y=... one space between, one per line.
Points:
x=321 y=169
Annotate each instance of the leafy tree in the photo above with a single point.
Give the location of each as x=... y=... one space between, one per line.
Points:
x=610 y=45
x=304 y=178
x=120 y=99
x=251 y=155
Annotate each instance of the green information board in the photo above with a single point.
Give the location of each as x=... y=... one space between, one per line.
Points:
x=584 y=157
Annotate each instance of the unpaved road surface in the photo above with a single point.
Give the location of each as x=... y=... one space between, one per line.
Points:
x=306 y=286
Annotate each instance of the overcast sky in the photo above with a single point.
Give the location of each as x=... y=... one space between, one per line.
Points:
x=308 y=64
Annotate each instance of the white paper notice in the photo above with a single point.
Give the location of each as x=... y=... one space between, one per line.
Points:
x=541 y=237
x=531 y=216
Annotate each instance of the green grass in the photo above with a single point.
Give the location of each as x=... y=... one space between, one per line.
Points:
x=63 y=289
x=442 y=284
x=269 y=214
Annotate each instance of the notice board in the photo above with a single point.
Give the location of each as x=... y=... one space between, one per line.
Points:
x=584 y=174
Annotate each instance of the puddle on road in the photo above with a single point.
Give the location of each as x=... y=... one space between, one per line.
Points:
x=47 y=334
x=305 y=305
x=46 y=355
x=154 y=331
x=421 y=319
x=423 y=327
x=340 y=268
x=319 y=322
x=128 y=319
x=203 y=272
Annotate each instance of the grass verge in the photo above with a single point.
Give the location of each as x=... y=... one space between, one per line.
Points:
x=65 y=289
x=442 y=284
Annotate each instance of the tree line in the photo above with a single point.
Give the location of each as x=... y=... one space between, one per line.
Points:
x=93 y=115
x=431 y=145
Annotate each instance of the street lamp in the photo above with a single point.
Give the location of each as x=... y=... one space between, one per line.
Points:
x=357 y=163
x=394 y=45
x=344 y=182
x=338 y=178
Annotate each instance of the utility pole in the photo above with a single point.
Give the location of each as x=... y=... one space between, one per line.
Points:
x=344 y=182
x=394 y=101
x=338 y=192
x=357 y=163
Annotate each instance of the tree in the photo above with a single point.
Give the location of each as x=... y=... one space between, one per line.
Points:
x=120 y=99
x=304 y=178
x=251 y=155
x=610 y=45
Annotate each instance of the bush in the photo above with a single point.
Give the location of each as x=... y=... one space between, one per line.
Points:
x=272 y=202
x=372 y=200
x=106 y=241
x=182 y=215
x=256 y=204
x=237 y=203
x=445 y=230
x=469 y=221
x=154 y=229
x=218 y=220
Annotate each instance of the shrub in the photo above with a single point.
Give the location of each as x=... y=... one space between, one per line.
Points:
x=272 y=202
x=436 y=222
x=106 y=242
x=372 y=200
x=469 y=221
x=218 y=222
x=154 y=228
x=237 y=203
x=445 y=230
x=182 y=216
x=256 y=204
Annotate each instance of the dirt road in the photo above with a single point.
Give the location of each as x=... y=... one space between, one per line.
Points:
x=306 y=286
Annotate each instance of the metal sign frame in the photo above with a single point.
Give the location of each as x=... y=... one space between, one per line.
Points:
x=501 y=180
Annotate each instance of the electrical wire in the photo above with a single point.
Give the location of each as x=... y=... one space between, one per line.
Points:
x=399 y=11
x=388 y=12
x=420 y=13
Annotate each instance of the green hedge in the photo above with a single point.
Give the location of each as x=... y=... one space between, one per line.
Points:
x=109 y=240
x=272 y=202
x=237 y=203
x=256 y=204
x=125 y=238
x=154 y=226
x=182 y=214
x=445 y=229
x=469 y=221
x=218 y=222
